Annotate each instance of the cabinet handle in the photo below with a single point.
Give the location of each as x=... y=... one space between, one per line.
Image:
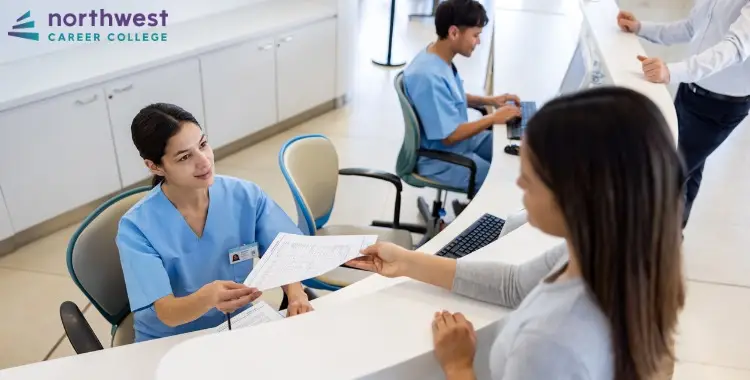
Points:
x=84 y=102
x=121 y=90
x=265 y=47
x=286 y=39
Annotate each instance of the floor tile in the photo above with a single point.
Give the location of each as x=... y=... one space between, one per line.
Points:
x=713 y=326
x=716 y=237
x=46 y=255
x=692 y=371
x=30 y=322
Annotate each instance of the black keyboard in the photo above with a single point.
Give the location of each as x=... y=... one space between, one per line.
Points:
x=517 y=125
x=482 y=232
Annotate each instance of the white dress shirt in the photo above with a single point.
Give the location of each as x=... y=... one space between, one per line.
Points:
x=719 y=35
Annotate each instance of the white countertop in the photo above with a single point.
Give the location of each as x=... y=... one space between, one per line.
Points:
x=34 y=79
x=382 y=333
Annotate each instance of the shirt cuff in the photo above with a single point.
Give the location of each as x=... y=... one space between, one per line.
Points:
x=678 y=73
x=648 y=30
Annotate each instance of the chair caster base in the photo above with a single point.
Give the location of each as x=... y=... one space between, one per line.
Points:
x=458 y=207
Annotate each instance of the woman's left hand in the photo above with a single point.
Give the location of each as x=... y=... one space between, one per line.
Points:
x=455 y=342
x=298 y=306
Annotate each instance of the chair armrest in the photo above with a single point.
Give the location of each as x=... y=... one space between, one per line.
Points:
x=78 y=330
x=451 y=158
x=377 y=174
x=481 y=110
x=384 y=176
x=456 y=159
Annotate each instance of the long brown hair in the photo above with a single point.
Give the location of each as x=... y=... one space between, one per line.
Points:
x=611 y=161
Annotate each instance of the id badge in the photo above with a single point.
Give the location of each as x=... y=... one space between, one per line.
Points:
x=243 y=253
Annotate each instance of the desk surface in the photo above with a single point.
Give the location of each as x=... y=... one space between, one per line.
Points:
x=378 y=327
x=619 y=50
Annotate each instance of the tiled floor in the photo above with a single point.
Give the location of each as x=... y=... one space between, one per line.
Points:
x=714 y=336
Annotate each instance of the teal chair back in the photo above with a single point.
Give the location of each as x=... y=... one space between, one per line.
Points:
x=406 y=163
x=94 y=260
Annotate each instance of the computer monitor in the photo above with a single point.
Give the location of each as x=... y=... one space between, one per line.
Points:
x=576 y=76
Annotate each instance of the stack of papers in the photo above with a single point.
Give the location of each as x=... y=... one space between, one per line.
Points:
x=259 y=313
x=293 y=258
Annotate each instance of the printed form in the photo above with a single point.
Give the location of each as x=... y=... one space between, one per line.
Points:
x=293 y=258
x=259 y=313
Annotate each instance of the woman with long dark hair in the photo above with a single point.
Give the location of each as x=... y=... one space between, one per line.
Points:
x=600 y=169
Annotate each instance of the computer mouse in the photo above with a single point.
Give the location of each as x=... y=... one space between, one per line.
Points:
x=513 y=150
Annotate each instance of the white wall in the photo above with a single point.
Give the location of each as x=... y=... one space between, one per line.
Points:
x=347 y=45
x=12 y=49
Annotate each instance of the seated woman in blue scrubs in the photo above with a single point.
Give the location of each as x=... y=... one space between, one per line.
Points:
x=436 y=90
x=188 y=245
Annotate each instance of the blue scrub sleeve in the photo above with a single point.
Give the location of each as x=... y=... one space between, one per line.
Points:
x=270 y=220
x=146 y=279
x=436 y=106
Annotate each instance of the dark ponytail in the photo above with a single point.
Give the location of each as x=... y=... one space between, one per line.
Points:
x=152 y=128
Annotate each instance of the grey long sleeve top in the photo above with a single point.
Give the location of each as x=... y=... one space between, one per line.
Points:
x=557 y=330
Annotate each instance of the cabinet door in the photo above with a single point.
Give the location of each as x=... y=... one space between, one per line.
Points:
x=177 y=83
x=239 y=90
x=57 y=155
x=306 y=67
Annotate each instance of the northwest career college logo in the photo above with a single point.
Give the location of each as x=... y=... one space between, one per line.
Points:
x=26 y=25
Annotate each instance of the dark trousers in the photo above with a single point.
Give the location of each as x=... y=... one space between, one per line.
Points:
x=704 y=123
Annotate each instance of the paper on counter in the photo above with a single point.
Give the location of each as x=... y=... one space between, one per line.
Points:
x=259 y=313
x=293 y=258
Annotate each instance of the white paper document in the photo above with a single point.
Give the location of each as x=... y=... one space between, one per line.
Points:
x=259 y=313
x=293 y=258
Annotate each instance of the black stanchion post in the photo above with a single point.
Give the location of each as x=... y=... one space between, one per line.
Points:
x=389 y=55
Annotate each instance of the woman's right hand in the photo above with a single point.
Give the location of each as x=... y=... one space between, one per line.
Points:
x=228 y=296
x=386 y=259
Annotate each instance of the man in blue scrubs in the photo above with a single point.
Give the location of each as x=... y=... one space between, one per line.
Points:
x=188 y=245
x=436 y=90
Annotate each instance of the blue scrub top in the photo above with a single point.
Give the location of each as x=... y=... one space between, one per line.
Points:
x=161 y=255
x=436 y=91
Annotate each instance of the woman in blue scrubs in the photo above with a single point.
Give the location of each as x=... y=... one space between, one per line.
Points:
x=188 y=245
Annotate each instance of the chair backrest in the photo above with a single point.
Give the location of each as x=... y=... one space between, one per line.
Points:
x=94 y=260
x=407 y=156
x=310 y=166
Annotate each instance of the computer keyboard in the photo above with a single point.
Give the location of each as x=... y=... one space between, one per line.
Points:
x=516 y=126
x=482 y=232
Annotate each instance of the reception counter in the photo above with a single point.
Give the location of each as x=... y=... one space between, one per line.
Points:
x=380 y=328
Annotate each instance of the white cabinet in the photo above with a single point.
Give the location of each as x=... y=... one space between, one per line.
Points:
x=65 y=151
x=6 y=228
x=57 y=155
x=306 y=67
x=239 y=90
x=177 y=83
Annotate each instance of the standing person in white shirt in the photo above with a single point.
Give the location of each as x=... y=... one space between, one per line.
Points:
x=714 y=91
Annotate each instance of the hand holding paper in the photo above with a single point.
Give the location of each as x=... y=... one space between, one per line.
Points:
x=293 y=258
